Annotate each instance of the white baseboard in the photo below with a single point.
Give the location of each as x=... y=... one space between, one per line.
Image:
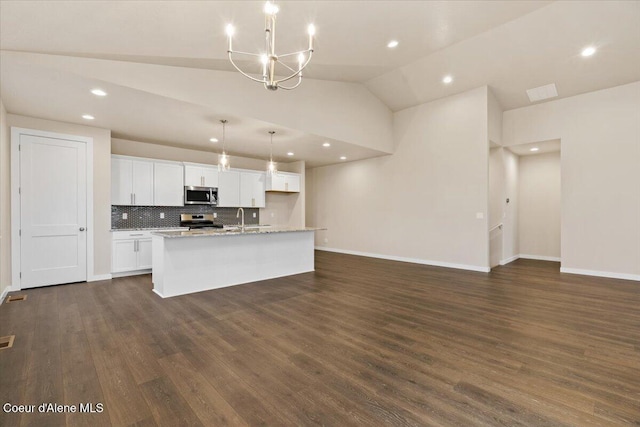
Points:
x=98 y=277
x=608 y=274
x=4 y=294
x=404 y=259
x=508 y=260
x=539 y=257
x=131 y=273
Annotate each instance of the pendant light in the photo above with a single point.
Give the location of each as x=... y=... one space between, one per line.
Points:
x=223 y=159
x=272 y=167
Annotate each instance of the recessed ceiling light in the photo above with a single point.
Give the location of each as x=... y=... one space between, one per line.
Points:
x=326 y=144
x=392 y=44
x=213 y=139
x=447 y=79
x=588 y=51
x=98 y=92
x=534 y=149
x=343 y=158
x=290 y=153
x=88 y=117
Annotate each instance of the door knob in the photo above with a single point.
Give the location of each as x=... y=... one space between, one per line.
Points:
x=81 y=228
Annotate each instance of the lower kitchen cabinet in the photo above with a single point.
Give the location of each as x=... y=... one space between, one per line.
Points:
x=131 y=251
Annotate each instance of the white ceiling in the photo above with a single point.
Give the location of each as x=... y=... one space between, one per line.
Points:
x=549 y=146
x=508 y=45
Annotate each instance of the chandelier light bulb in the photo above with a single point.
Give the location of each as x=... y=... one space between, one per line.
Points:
x=270 y=8
x=311 y=30
x=301 y=58
x=230 y=30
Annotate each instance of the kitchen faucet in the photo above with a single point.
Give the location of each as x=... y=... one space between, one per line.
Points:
x=238 y=216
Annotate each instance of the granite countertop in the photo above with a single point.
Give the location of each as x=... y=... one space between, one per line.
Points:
x=233 y=231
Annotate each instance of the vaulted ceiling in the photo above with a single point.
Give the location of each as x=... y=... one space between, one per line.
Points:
x=509 y=45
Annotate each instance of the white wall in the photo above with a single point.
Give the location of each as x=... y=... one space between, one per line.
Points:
x=280 y=209
x=496 y=205
x=5 y=203
x=510 y=240
x=539 y=205
x=421 y=202
x=101 y=180
x=600 y=134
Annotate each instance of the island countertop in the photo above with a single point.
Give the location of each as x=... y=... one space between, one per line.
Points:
x=232 y=231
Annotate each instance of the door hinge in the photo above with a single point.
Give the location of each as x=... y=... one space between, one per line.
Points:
x=19 y=190
x=20 y=232
x=20 y=274
x=19 y=147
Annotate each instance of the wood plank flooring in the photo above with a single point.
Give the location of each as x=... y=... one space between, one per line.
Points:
x=359 y=342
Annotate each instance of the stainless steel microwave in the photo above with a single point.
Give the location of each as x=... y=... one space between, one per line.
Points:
x=200 y=195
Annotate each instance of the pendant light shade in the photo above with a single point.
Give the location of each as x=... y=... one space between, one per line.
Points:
x=223 y=159
x=272 y=167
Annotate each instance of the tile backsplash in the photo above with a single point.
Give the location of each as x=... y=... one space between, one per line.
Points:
x=149 y=216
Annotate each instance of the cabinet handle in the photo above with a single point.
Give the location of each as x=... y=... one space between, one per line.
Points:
x=131 y=197
x=286 y=186
x=202 y=181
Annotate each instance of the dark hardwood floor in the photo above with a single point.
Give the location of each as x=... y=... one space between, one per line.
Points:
x=359 y=342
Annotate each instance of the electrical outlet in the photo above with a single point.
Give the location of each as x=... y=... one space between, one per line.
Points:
x=161 y=215
x=124 y=215
x=479 y=215
x=215 y=214
x=326 y=240
x=254 y=214
x=273 y=214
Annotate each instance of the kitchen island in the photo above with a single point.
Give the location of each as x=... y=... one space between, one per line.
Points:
x=185 y=262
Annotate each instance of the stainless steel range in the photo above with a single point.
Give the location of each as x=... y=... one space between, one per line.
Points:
x=198 y=221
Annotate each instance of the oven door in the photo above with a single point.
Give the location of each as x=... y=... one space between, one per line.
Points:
x=199 y=196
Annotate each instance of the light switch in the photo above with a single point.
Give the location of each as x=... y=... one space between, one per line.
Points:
x=124 y=215
x=479 y=215
x=254 y=214
x=215 y=214
x=161 y=215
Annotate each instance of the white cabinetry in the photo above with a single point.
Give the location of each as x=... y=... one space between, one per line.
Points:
x=131 y=181
x=197 y=175
x=229 y=189
x=168 y=188
x=131 y=251
x=252 y=185
x=284 y=182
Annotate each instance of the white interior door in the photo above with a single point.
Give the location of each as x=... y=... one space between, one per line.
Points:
x=53 y=211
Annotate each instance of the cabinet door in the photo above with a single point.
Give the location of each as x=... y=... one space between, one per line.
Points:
x=292 y=183
x=167 y=184
x=229 y=189
x=121 y=182
x=193 y=176
x=123 y=256
x=210 y=176
x=142 y=183
x=144 y=254
x=276 y=182
x=252 y=186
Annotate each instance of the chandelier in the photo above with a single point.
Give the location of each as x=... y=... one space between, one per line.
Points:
x=269 y=59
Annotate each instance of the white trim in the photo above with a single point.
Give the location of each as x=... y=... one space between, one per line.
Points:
x=4 y=294
x=130 y=273
x=99 y=277
x=509 y=260
x=15 y=197
x=608 y=274
x=540 y=257
x=405 y=259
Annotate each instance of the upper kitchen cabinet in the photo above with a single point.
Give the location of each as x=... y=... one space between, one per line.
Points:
x=252 y=186
x=229 y=189
x=285 y=182
x=198 y=175
x=131 y=181
x=168 y=185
